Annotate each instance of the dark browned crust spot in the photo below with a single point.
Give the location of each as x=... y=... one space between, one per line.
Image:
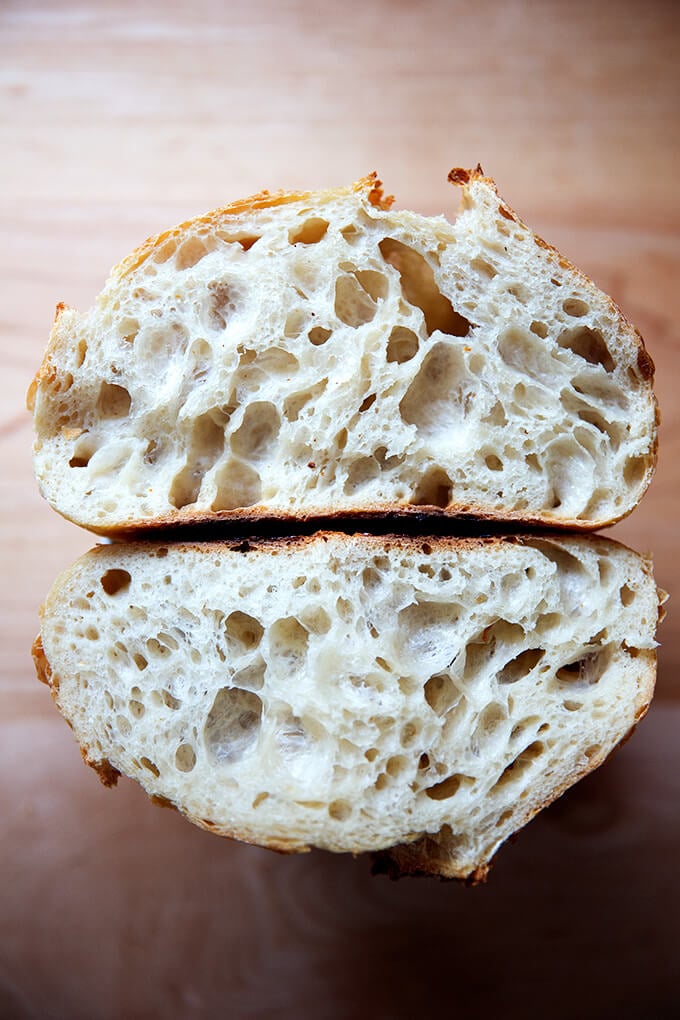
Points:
x=645 y=363
x=42 y=666
x=459 y=176
x=161 y=801
x=107 y=773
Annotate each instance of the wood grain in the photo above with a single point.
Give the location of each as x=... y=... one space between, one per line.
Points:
x=119 y=119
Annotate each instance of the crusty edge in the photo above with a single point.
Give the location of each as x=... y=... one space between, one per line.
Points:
x=467 y=178
x=370 y=185
x=386 y=515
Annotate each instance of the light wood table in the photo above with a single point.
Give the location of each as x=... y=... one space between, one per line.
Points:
x=119 y=119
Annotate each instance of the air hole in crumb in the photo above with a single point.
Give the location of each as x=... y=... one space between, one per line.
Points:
x=484 y=268
x=371 y=754
x=316 y=620
x=294 y=324
x=288 y=640
x=139 y=661
x=626 y=594
x=233 y=724
x=353 y=305
x=539 y=328
x=520 y=666
x=519 y=291
x=575 y=307
x=448 y=787
x=634 y=470
x=128 y=330
x=169 y=700
x=420 y=288
x=206 y=445
x=496 y=415
x=261 y=797
x=243 y=632
x=124 y=727
x=593 y=750
x=258 y=431
x=310 y=232
x=584 y=672
x=185 y=758
x=493 y=462
x=81 y=352
x=519 y=766
x=83 y=451
x=150 y=766
x=220 y=304
x=489 y=720
x=440 y=395
x=360 y=473
x=402 y=345
x=409 y=732
x=588 y=344
x=440 y=693
x=408 y=685
x=293 y=404
x=191 y=252
x=433 y=489
x=251 y=677
x=238 y=485
x=423 y=762
x=397 y=765
x=115 y=581
x=136 y=708
x=572 y=706
x=318 y=335
x=340 y=810
x=368 y=402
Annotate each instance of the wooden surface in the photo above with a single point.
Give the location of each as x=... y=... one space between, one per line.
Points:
x=121 y=119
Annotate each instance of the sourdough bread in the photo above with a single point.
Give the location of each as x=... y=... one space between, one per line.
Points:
x=422 y=698
x=318 y=354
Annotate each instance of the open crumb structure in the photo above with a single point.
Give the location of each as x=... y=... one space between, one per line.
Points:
x=355 y=693
x=318 y=354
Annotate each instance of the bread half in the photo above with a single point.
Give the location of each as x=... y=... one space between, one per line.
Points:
x=311 y=355
x=422 y=698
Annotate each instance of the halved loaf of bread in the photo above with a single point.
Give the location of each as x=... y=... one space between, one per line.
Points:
x=318 y=354
x=355 y=693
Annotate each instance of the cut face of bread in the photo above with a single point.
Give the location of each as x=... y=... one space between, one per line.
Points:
x=354 y=693
x=311 y=355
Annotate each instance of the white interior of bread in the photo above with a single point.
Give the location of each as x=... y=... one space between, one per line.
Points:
x=355 y=693
x=328 y=356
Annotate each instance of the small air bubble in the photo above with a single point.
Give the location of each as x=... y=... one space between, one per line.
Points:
x=340 y=810
x=185 y=758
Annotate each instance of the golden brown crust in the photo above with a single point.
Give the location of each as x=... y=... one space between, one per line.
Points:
x=370 y=185
x=104 y=769
x=42 y=666
x=464 y=178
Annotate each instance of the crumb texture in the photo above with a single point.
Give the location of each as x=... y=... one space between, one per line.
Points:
x=355 y=693
x=327 y=355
